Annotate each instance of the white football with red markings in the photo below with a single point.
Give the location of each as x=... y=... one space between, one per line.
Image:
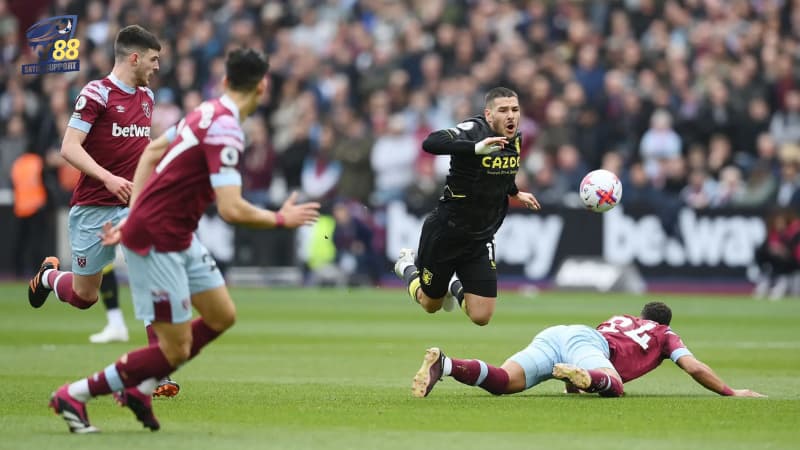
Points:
x=600 y=190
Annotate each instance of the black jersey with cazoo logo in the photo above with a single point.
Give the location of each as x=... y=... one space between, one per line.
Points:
x=475 y=197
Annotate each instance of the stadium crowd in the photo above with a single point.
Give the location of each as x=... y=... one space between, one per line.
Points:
x=691 y=102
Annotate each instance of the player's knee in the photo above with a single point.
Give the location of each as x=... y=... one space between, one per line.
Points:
x=481 y=319
x=89 y=296
x=176 y=353
x=225 y=321
x=480 y=316
x=220 y=322
x=429 y=305
x=479 y=309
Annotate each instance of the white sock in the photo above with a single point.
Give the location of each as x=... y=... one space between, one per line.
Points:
x=447 y=367
x=44 y=278
x=79 y=390
x=484 y=373
x=147 y=386
x=55 y=284
x=115 y=318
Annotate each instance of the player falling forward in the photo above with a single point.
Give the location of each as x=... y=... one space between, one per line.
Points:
x=599 y=360
x=458 y=236
x=171 y=271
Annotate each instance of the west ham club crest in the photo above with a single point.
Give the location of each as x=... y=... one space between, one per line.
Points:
x=146 y=109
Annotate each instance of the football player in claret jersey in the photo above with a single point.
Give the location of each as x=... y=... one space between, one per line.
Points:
x=458 y=236
x=170 y=270
x=106 y=135
x=599 y=360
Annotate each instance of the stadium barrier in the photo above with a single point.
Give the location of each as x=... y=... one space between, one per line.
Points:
x=686 y=244
x=682 y=243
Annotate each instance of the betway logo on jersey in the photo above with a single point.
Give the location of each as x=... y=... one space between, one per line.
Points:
x=131 y=130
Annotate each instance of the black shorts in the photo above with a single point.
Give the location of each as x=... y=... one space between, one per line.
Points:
x=444 y=251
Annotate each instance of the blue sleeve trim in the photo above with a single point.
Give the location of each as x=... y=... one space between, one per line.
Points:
x=226 y=179
x=676 y=355
x=171 y=134
x=79 y=124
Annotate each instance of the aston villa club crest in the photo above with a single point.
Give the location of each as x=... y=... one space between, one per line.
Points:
x=146 y=109
x=81 y=261
x=427 y=277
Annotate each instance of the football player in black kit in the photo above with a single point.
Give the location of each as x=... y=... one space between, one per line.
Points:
x=458 y=236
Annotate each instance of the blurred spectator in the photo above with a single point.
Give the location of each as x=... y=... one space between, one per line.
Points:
x=556 y=132
x=352 y=151
x=760 y=187
x=321 y=173
x=550 y=189
x=700 y=190
x=718 y=115
x=259 y=162
x=637 y=188
x=785 y=124
x=13 y=142
x=730 y=190
x=779 y=256
x=660 y=143
x=393 y=157
x=30 y=200
x=569 y=166
x=750 y=127
x=720 y=154
x=789 y=185
x=354 y=251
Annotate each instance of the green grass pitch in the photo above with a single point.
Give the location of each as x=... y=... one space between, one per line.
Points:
x=331 y=369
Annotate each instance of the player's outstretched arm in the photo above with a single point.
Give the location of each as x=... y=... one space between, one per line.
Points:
x=453 y=141
x=72 y=150
x=234 y=209
x=147 y=163
x=709 y=380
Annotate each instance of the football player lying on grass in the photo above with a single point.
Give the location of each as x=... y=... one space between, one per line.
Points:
x=598 y=360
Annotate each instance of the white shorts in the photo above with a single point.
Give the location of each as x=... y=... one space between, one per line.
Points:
x=162 y=283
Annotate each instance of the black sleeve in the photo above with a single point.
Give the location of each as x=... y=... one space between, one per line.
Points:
x=513 y=189
x=446 y=142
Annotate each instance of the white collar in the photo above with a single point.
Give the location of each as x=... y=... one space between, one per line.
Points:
x=230 y=104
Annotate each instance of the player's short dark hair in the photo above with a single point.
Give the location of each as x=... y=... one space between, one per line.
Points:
x=244 y=68
x=134 y=38
x=498 y=92
x=657 y=312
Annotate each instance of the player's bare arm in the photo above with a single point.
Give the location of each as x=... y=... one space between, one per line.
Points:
x=72 y=150
x=709 y=380
x=147 y=163
x=235 y=209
